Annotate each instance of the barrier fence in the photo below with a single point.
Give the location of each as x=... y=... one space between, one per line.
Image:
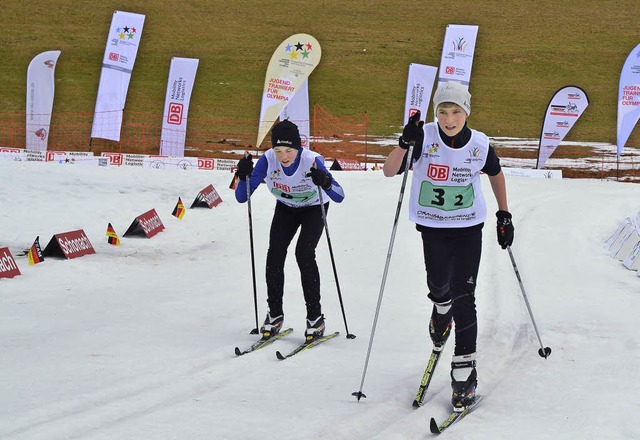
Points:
x=335 y=137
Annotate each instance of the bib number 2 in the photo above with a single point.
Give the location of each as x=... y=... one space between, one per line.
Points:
x=446 y=198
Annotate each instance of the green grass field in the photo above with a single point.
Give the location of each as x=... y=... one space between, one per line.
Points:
x=526 y=50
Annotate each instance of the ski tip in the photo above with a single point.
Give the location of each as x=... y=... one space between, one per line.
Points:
x=280 y=356
x=433 y=426
x=416 y=404
x=359 y=395
x=238 y=352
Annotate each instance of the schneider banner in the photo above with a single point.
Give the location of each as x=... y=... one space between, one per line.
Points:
x=40 y=92
x=564 y=109
x=182 y=75
x=628 y=97
x=117 y=64
x=419 y=87
x=289 y=67
x=457 y=54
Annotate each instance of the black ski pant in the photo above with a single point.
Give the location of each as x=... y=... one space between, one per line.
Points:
x=452 y=259
x=286 y=222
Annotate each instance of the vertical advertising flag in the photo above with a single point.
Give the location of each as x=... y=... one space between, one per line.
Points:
x=289 y=67
x=40 y=91
x=457 y=54
x=182 y=75
x=419 y=87
x=297 y=111
x=117 y=65
x=628 y=97
x=564 y=109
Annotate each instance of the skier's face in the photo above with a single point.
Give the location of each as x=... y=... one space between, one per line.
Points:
x=285 y=155
x=451 y=118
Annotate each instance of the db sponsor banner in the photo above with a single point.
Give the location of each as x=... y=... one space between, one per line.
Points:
x=207 y=198
x=457 y=54
x=225 y=164
x=206 y=163
x=419 y=88
x=182 y=75
x=16 y=154
x=69 y=245
x=147 y=224
x=8 y=266
x=133 y=160
x=58 y=155
x=115 y=159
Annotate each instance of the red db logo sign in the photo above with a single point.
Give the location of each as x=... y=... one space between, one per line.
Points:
x=113 y=56
x=175 y=113
x=438 y=172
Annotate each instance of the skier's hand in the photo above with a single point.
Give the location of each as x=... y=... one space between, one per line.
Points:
x=505 y=229
x=320 y=178
x=245 y=167
x=412 y=132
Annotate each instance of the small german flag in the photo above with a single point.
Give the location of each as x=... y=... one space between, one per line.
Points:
x=35 y=253
x=234 y=182
x=112 y=236
x=178 y=211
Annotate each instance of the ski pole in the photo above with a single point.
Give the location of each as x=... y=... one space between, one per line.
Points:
x=333 y=264
x=359 y=394
x=543 y=351
x=253 y=259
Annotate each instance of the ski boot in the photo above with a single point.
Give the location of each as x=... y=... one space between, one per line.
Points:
x=440 y=324
x=464 y=380
x=315 y=328
x=271 y=326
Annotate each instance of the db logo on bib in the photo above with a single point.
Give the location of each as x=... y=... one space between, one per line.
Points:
x=438 y=172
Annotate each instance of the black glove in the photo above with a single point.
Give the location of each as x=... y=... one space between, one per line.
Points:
x=505 y=229
x=320 y=178
x=245 y=167
x=412 y=132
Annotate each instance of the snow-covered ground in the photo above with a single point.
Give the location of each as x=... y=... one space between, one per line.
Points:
x=137 y=341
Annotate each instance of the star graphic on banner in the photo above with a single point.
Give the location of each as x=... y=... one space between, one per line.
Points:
x=288 y=48
x=126 y=29
x=299 y=46
x=130 y=35
x=305 y=54
x=309 y=47
x=133 y=30
x=121 y=35
x=294 y=55
x=118 y=30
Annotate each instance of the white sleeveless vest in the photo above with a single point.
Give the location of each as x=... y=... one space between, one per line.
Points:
x=296 y=190
x=445 y=188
